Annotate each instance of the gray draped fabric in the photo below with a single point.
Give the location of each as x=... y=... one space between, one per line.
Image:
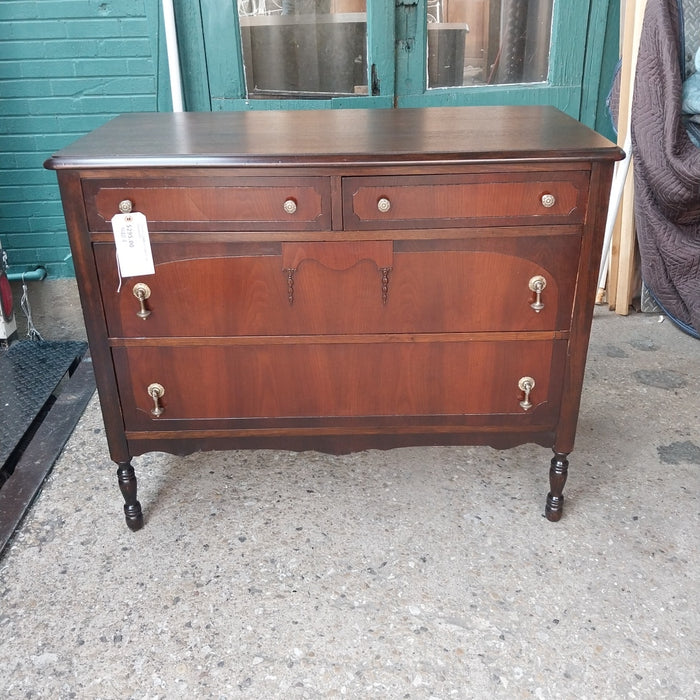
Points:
x=666 y=169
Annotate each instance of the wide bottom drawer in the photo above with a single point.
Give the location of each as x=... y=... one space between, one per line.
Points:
x=264 y=382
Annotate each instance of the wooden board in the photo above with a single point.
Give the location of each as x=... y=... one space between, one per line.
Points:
x=621 y=287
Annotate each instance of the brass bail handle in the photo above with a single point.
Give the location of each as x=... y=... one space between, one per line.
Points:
x=156 y=391
x=142 y=292
x=537 y=285
x=526 y=385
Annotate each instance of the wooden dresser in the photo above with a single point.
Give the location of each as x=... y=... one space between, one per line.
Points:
x=340 y=280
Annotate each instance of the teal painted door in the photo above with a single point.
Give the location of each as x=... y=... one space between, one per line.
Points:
x=561 y=52
x=215 y=37
x=409 y=53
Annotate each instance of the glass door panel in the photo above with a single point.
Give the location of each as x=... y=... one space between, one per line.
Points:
x=488 y=42
x=304 y=49
x=330 y=54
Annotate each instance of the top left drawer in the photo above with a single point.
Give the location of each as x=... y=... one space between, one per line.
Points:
x=213 y=203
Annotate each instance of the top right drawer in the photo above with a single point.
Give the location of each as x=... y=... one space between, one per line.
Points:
x=467 y=200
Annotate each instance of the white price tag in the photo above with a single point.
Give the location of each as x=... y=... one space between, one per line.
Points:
x=134 y=255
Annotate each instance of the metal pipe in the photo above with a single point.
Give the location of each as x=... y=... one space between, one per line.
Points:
x=35 y=275
x=618 y=186
x=173 y=55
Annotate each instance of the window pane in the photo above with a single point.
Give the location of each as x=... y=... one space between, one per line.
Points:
x=488 y=42
x=304 y=48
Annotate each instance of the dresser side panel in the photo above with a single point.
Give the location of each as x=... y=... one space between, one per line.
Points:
x=70 y=186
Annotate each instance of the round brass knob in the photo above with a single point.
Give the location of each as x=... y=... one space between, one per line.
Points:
x=548 y=200
x=125 y=206
x=384 y=205
x=290 y=206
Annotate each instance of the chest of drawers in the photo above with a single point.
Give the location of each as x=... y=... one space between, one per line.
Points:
x=340 y=280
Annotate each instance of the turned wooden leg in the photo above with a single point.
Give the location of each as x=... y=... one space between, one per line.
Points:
x=127 y=485
x=558 y=469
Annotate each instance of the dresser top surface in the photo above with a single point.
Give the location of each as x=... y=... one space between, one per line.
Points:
x=333 y=137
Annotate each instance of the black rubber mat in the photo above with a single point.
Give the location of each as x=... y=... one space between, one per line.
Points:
x=30 y=371
x=44 y=389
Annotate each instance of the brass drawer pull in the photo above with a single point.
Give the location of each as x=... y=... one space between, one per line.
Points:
x=142 y=292
x=290 y=206
x=526 y=385
x=383 y=205
x=156 y=391
x=536 y=285
x=126 y=206
x=548 y=200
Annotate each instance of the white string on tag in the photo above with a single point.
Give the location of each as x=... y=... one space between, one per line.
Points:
x=119 y=272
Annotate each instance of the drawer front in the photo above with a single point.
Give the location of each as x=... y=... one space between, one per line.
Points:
x=212 y=385
x=211 y=204
x=339 y=288
x=448 y=201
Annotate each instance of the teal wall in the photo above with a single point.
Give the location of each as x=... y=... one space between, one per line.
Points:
x=66 y=67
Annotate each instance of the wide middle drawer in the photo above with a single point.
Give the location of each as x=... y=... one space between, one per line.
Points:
x=344 y=287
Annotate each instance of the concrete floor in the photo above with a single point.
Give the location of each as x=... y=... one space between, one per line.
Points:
x=414 y=573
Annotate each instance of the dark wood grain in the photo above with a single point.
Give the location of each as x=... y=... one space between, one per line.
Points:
x=341 y=325
x=341 y=378
x=465 y=200
x=452 y=286
x=239 y=203
x=89 y=290
x=454 y=134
